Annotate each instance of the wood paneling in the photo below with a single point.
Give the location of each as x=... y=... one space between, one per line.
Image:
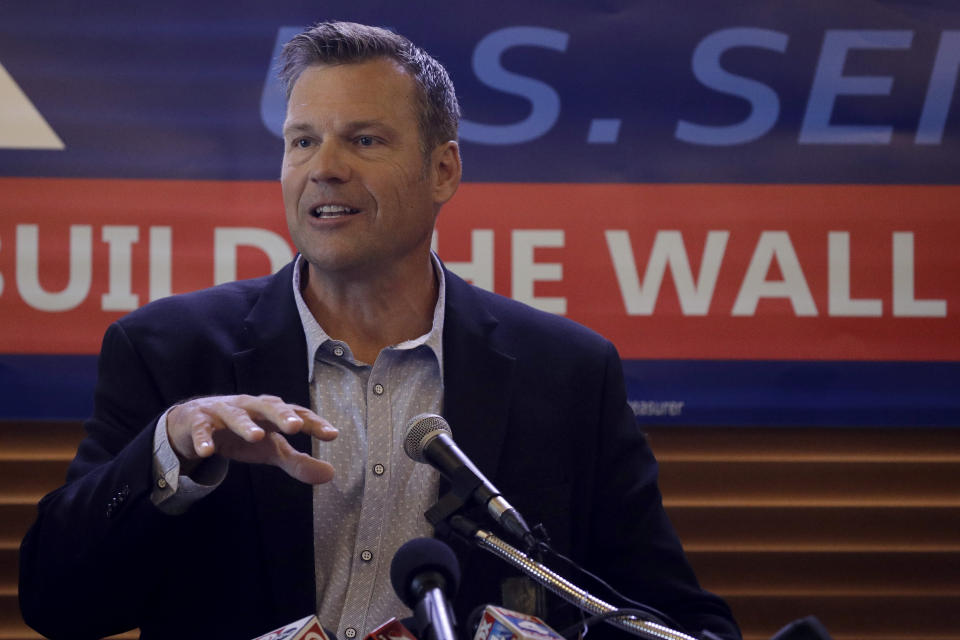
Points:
x=860 y=527
x=33 y=461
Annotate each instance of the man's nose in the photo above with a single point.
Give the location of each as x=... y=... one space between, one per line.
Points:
x=330 y=163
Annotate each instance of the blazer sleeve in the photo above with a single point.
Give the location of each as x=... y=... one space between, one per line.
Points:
x=97 y=537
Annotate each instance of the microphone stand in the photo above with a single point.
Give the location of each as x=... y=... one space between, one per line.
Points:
x=559 y=585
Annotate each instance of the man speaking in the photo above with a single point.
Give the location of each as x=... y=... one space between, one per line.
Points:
x=244 y=465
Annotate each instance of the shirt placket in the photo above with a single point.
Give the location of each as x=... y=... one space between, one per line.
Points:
x=377 y=468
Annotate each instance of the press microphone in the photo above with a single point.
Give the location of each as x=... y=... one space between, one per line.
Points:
x=392 y=629
x=498 y=623
x=307 y=628
x=429 y=439
x=425 y=574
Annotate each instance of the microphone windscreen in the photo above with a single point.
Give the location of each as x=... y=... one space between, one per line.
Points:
x=419 y=556
x=392 y=629
x=498 y=623
x=421 y=430
x=307 y=628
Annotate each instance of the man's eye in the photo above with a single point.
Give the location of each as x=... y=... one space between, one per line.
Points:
x=301 y=143
x=365 y=141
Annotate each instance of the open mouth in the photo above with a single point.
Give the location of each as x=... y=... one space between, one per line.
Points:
x=333 y=211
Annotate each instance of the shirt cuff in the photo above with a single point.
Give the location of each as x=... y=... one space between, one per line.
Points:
x=174 y=493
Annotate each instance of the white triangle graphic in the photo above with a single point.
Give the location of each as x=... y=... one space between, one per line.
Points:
x=21 y=125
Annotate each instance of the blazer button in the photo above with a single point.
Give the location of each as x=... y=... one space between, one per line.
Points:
x=118 y=499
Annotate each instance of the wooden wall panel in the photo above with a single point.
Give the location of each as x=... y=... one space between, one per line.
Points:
x=33 y=461
x=860 y=527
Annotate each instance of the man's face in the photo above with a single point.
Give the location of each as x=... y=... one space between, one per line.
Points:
x=358 y=194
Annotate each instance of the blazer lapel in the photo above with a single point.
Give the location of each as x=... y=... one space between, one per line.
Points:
x=478 y=377
x=275 y=364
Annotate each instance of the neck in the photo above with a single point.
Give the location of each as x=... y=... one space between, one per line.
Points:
x=372 y=313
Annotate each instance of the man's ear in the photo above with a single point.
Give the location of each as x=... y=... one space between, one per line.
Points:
x=445 y=171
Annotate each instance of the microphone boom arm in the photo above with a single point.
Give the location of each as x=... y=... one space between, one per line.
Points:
x=559 y=585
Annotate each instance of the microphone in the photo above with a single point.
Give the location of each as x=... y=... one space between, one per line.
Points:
x=498 y=623
x=429 y=439
x=307 y=628
x=426 y=574
x=392 y=629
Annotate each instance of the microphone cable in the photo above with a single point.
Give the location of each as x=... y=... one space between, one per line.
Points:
x=580 y=630
x=643 y=611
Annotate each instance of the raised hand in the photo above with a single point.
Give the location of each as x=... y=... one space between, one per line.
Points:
x=248 y=429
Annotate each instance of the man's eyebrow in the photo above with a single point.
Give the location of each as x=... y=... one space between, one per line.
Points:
x=297 y=127
x=356 y=125
x=377 y=125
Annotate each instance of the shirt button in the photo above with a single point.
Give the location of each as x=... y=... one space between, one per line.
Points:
x=379 y=469
x=338 y=351
x=350 y=632
x=162 y=483
x=378 y=389
x=366 y=555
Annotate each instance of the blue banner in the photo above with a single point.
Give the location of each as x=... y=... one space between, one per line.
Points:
x=745 y=92
x=756 y=201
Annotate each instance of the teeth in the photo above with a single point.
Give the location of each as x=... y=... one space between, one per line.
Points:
x=330 y=210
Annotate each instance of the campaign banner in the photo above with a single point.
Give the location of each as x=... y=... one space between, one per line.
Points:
x=758 y=206
x=668 y=271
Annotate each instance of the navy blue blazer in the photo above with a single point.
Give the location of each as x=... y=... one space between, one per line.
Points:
x=535 y=400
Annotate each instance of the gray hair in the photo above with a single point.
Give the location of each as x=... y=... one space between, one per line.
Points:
x=437 y=110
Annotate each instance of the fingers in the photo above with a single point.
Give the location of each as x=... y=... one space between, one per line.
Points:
x=235 y=418
x=203 y=439
x=299 y=465
x=192 y=426
x=271 y=410
x=288 y=418
x=229 y=424
x=315 y=425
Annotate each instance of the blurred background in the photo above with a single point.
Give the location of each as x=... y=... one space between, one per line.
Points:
x=757 y=201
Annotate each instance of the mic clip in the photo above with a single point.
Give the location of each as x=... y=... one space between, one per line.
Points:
x=451 y=504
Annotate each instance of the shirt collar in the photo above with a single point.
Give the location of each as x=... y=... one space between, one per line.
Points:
x=316 y=336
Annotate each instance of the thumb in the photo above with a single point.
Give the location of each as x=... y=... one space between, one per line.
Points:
x=298 y=465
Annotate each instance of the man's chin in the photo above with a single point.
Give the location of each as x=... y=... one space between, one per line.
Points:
x=340 y=262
